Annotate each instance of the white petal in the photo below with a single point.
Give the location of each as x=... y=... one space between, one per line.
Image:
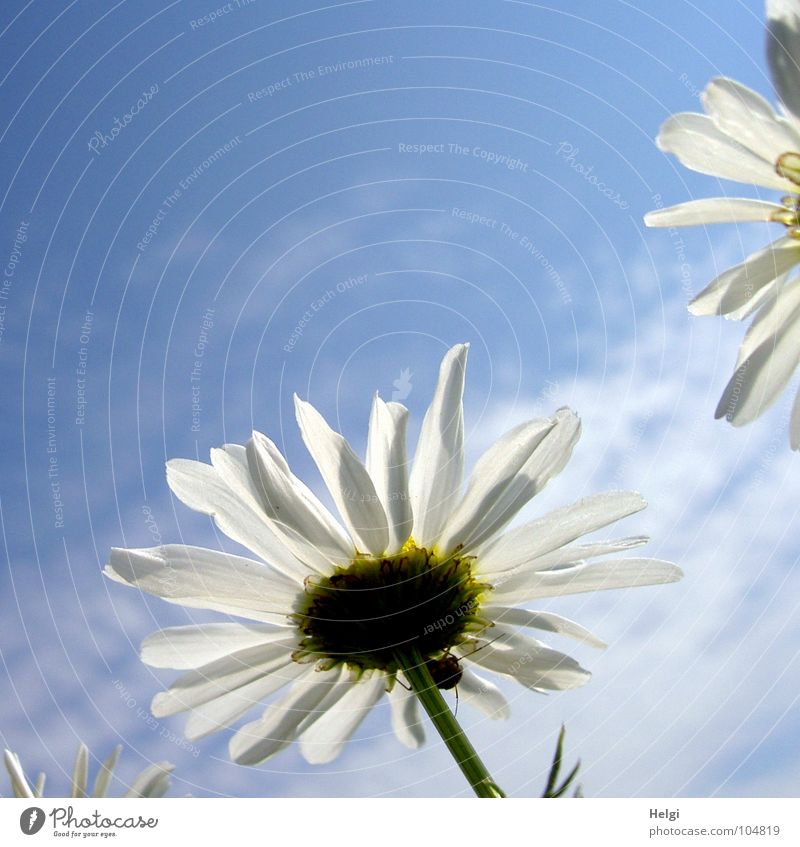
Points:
x=438 y=469
x=387 y=464
x=258 y=740
x=80 y=772
x=222 y=711
x=206 y=579
x=595 y=576
x=528 y=661
x=106 y=772
x=780 y=304
x=483 y=695
x=297 y=516
x=735 y=287
x=152 y=781
x=200 y=644
x=794 y=428
x=759 y=380
x=405 y=716
x=508 y=475
x=202 y=488
x=760 y=299
x=19 y=782
x=347 y=480
x=222 y=676
x=713 y=210
x=542 y=620
x=231 y=466
x=746 y=116
x=324 y=739
x=490 y=485
x=783 y=51
x=535 y=539
x=701 y=146
x=573 y=554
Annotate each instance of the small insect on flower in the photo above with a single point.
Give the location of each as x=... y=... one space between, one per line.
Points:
x=421 y=575
x=445 y=671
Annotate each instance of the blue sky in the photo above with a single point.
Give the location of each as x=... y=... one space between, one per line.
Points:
x=320 y=199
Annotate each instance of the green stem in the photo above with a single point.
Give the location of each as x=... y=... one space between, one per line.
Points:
x=419 y=677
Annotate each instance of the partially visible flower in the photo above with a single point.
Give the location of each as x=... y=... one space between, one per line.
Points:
x=421 y=575
x=153 y=781
x=742 y=138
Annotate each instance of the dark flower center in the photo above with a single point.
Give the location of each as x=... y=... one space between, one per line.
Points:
x=366 y=614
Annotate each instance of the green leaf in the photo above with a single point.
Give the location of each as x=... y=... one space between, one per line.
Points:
x=553 y=789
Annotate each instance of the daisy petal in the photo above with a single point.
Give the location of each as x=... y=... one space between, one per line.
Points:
x=222 y=711
x=595 y=576
x=483 y=695
x=783 y=51
x=231 y=465
x=794 y=428
x=222 y=676
x=575 y=553
x=347 y=480
x=713 y=210
x=746 y=116
x=200 y=487
x=405 y=716
x=735 y=287
x=153 y=781
x=569 y=555
x=438 y=469
x=303 y=523
x=535 y=539
x=496 y=479
x=200 y=644
x=701 y=146
x=105 y=773
x=528 y=661
x=80 y=772
x=234 y=468
x=508 y=475
x=759 y=380
x=760 y=299
x=543 y=620
x=258 y=740
x=387 y=464
x=206 y=579
x=19 y=782
x=783 y=300
x=324 y=739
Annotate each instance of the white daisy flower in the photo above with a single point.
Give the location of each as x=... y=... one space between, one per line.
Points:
x=153 y=781
x=419 y=569
x=742 y=138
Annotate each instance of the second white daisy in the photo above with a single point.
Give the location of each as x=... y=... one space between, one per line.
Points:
x=742 y=138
